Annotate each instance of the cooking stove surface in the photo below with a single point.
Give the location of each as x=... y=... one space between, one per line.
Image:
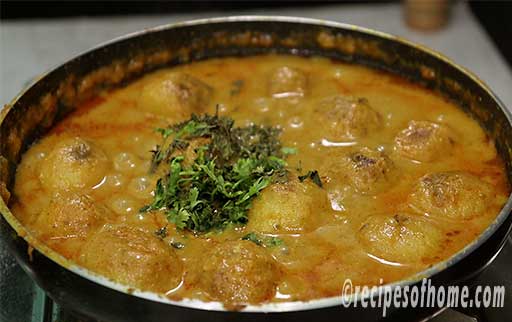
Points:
x=21 y=300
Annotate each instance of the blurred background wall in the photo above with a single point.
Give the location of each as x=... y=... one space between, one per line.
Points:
x=495 y=16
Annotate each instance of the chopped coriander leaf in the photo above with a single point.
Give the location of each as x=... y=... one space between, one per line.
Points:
x=229 y=171
x=254 y=238
x=265 y=241
x=313 y=175
x=299 y=166
x=177 y=245
x=162 y=232
x=236 y=87
x=288 y=151
x=275 y=241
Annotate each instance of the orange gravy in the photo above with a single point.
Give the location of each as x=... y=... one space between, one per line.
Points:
x=369 y=209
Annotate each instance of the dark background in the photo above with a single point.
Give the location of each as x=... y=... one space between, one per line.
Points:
x=495 y=16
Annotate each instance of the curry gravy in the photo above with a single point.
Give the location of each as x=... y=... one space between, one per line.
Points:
x=408 y=180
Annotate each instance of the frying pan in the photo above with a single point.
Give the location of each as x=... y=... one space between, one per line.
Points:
x=125 y=59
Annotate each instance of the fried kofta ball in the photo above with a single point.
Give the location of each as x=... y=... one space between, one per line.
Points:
x=424 y=141
x=73 y=164
x=285 y=82
x=134 y=257
x=367 y=171
x=348 y=117
x=289 y=207
x=68 y=220
x=239 y=272
x=399 y=238
x=453 y=194
x=176 y=95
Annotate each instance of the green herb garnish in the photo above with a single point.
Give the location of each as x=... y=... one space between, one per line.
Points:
x=177 y=245
x=236 y=87
x=265 y=241
x=228 y=172
x=313 y=175
x=162 y=232
x=287 y=150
